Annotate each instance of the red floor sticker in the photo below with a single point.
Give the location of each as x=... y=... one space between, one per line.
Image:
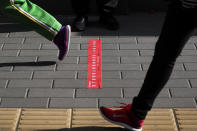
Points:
x=94 y=69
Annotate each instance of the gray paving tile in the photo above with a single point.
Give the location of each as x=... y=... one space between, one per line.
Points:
x=34 y=68
x=66 y=83
x=189 y=53
x=144 y=39
x=74 y=47
x=192 y=39
x=190 y=66
x=72 y=53
x=48 y=47
x=3 y=83
x=75 y=67
x=115 y=83
x=12 y=92
x=127 y=39
x=67 y=60
x=109 y=39
x=190 y=46
x=110 y=60
x=129 y=83
x=175 y=74
x=187 y=59
x=33 y=46
x=17 y=59
x=94 y=93
x=193 y=82
x=4 y=34
x=133 y=74
x=184 y=74
x=73 y=103
x=181 y=83
x=24 y=34
x=86 y=38
x=54 y=75
x=54 y=47
x=6 y=68
x=38 y=53
x=137 y=46
x=9 y=52
x=38 y=93
x=12 y=46
x=132 y=92
x=147 y=59
x=184 y=92
x=30 y=83
x=121 y=67
x=75 y=34
x=16 y=75
x=120 y=53
x=24 y=102
x=174 y=103
x=77 y=40
x=146 y=52
x=135 y=60
x=82 y=39
x=37 y=40
x=110 y=47
x=11 y=40
x=1 y=46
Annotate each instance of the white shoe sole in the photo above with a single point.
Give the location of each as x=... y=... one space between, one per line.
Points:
x=68 y=37
x=119 y=123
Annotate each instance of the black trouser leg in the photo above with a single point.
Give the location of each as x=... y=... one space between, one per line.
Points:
x=80 y=7
x=177 y=28
x=106 y=5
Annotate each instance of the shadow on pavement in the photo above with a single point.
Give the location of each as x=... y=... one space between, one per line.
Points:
x=40 y=63
x=134 y=24
x=90 y=128
x=13 y=27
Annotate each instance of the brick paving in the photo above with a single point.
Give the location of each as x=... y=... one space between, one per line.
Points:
x=64 y=119
x=72 y=119
x=32 y=76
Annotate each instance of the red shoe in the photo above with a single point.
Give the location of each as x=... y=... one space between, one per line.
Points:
x=123 y=117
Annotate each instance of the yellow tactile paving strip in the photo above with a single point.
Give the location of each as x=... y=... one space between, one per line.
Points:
x=8 y=119
x=44 y=119
x=35 y=119
x=186 y=119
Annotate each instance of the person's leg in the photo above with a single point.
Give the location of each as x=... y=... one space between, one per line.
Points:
x=81 y=8
x=177 y=29
x=107 y=5
x=178 y=25
x=31 y=15
x=39 y=20
x=106 y=9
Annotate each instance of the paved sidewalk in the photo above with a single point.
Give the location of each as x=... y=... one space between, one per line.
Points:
x=17 y=119
x=32 y=76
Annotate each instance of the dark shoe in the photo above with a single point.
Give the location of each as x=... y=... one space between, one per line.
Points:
x=62 y=41
x=80 y=23
x=109 y=21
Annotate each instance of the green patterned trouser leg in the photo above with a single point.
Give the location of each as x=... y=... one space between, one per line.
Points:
x=31 y=15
